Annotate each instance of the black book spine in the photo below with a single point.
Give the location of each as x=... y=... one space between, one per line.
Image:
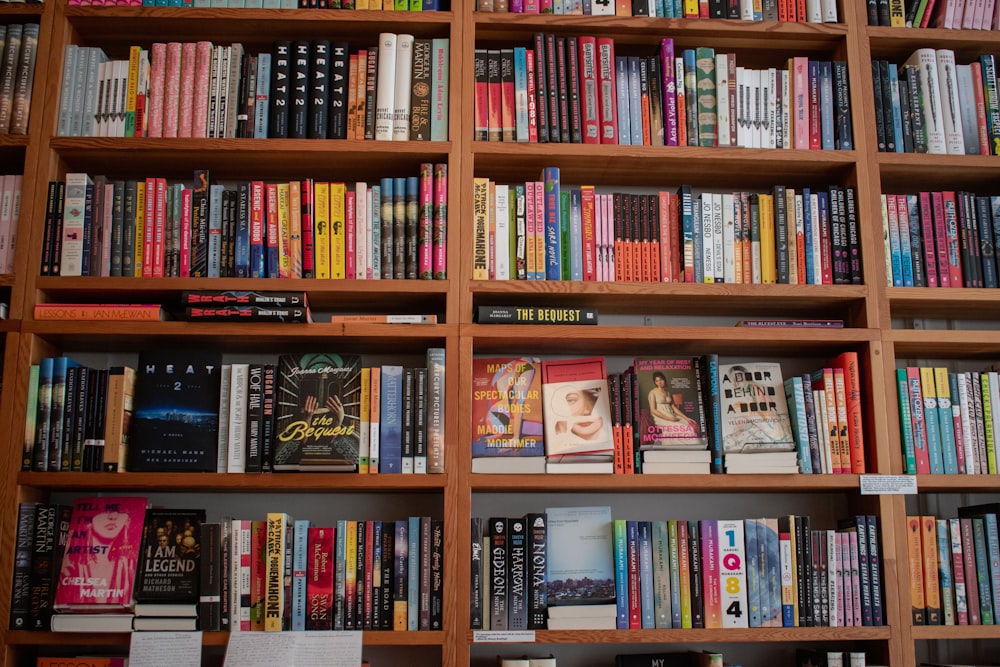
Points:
x=20 y=595
x=987 y=249
x=117 y=227
x=242 y=98
x=573 y=82
x=552 y=92
x=225 y=537
x=476 y=581
x=130 y=205
x=388 y=569
x=246 y=126
x=905 y=115
x=718 y=9
x=359 y=598
x=497 y=568
x=88 y=226
x=842 y=112
x=319 y=89
x=850 y=233
x=50 y=230
x=420 y=94
x=874 y=569
x=640 y=8
x=563 y=86
x=964 y=242
x=409 y=400
x=377 y=583
x=280 y=96
x=298 y=120
x=541 y=89
x=888 y=118
x=339 y=60
x=808 y=563
x=780 y=235
x=371 y=85
x=975 y=248
x=656 y=128
x=268 y=398
x=916 y=110
x=437 y=575
x=199 y=224
x=517 y=612
x=42 y=561
x=916 y=241
x=882 y=10
x=254 y=414
x=694 y=562
x=537 y=580
x=78 y=425
x=880 y=129
x=68 y=418
x=872 y=9
x=93 y=443
x=210 y=585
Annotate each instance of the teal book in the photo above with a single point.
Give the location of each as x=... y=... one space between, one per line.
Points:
x=413 y=574
x=340 y=574
x=565 y=237
x=989 y=513
x=646 y=574
x=905 y=422
x=439 y=88
x=391 y=417
x=621 y=574
x=944 y=571
x=983 y=574
x=675 y=574
x=300 y=561
x=800 y=430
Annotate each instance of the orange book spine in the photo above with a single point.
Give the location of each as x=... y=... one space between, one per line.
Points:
x=295 y=224
x=848 y=361
x=352 y=97
x=97 y=311
x=932 y=590
x=916 y=563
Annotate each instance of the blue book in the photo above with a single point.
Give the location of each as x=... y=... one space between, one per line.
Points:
x=391 y=420
x=575 y=235
x=385 y=216
x=809 y=228
x=826 y=105
x=646 y=574
x=874 y=569
x=621 y=574
x=40 y=453
x=897 y=113
x=521 y=94
x=300 y=560
x=553 y=253
x=906 y=423
x=770 y=568
x=797 y=412
x=905 y=245
x=340 y=574
x=753 y=572
x=946 y=421
x=944 y=571
x=258 y=244
x=565 y=240
x=413 y=575
x=634 y=101
x=215 y=231
x=621 y=90
x=916 y=242
x=895 y=251
x=241 y=247
x=375 y=194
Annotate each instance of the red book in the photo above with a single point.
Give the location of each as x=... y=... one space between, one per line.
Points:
x=588 y=223
x=494 y=94
x=157 y=74
x=800 y=11
x=440 y=230
x=589 y=105
x=171 y=89
x=369 y=578
x=608 y=109
x=185 y=249
x=653 y=230
x=149 y=213
x=927 y=232
x=349 y=203
x=848 y=361
x=258 y=553
x=981 y=126
x=308 y=232
x=918 y=420
x=202 y=78
x=185 y=105
x=159 y=226
x=953 y=253
x=425 y=222
x=971 y=574
x=507 y=100
x=258 y=206
x=632 y=569
x=957 y=567
x=940 y=237
x=319 y=579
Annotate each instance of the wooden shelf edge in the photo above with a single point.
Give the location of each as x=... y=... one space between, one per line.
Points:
x=256 y=14
x=919 y=632
x=233 y=482
x=369 y=638
x=744 y=635
x=738 y=155
x=664 y=483
x=958 y=483
x=130 y=285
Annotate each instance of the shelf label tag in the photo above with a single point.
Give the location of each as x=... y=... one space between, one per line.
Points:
x=875 y=485
x=302 y=649
x=165 y=649
x=500 y=636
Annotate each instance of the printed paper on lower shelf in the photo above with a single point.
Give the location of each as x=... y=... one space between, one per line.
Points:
x=504 y=636
x=165 y=649
x=302 y=649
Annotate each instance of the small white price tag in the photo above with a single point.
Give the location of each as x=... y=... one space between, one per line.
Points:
x=875 y=485
x=500 y=636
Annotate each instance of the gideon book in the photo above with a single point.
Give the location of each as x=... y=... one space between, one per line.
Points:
x=754 y=409
x=175 y=427
x=318 y=412
x=507 y=407
x=671 y=409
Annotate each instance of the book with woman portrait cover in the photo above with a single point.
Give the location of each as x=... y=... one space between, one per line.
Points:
x=102 y=551
x=506 y=412
x=754 y=409
x=317 y=420
x=671 y=410
x=576 y=410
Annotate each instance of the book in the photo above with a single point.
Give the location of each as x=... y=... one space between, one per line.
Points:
x=792 y=324
x=99 y=312
x=507 y=415
x=535 y=315
x=169 y=576
x=176 y=422
x=316 y=419
x=754 y=409
x=102 y=551
x=671 y=412
x=576 y=409
x=580 y=568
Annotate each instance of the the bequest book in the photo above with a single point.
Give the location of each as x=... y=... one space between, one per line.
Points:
x=318 y=415
x=175 y=427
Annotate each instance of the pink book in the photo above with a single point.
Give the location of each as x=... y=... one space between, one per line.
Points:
x=109 y=195
x=272 y=231
x=665 y=233
x=157 y=72
x=532 y=101
x=529 y=230
x=669 y=86
x=589 y=107
x=532 y=7
x=800 y=102
x=105 y=536
x=608 y=105
x=977 y=89
x=171 y=89
x=598 y=238
x=185 y=108
x=710 y=573
x=425 y=234
x=589 y=232
x=440 y=256
x=951 y=234
x=940 y=237
x=349 y=203
x=925 y=21
x=855 y=578
x=147 y=230
x=927 y=232
x=968 y=15
x=539 y=230
x=159 y=226
x=202 y=72
x=185 y=254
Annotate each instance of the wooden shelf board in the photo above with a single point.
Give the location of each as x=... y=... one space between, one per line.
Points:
x=944 y=303
x=937 y=343
x=908 y=173
x=229 y=483
x=17 y=9
x=256 y=159
x=897 y=44
x=12 y=140
x=958 y=484
x=660 y=166
x=369 y=638
x=664 y=483
x=115 y=28
x=751 y=635
x=955 y=632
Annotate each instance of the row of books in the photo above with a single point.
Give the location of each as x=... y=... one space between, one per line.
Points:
x=544 y=230
x=804 y=11
x=804 y=657
x=949 y=422
x=956 y=14
x=576 y=90
x=526 y=661
x=768 y=572
x=10 y=217
x=318 y=90
x=190 y=412
x=932 y=104
x=18 y=53
x=665 y=415
x=941 y=239
x=384 y=5
x=395 y=228
x=953 y=567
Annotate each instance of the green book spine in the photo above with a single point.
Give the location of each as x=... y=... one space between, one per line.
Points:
x=707 y=102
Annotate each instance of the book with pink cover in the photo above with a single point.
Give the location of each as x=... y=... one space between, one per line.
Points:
x=576 y=409
x=102 y=550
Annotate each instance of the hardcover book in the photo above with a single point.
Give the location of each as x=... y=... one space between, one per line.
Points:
x=576 y=409
x=169 y=563
x=176 y=421
x=754 y=409
x=102 y=550
x=671 y=411
x=581 y=571
x=507 y=408
x=317 y=420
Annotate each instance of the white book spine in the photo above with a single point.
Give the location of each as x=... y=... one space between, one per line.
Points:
x=729 y=238
x=238 y=418
x=925 y=61
x=800 y=232
x=950 y=102
x=502 y=246
x=814 y=11
x=6 y=216
x=963 y=400
x=722 y=106
x=385 y=89
x=233 y=89
x=246 y=572
x=71 y=259
x=829 y=11
x=771 y=96
x=224 y=381
x=106 y=222
x=15 y=220
x=718 y=240
x=707 y=243
x=732 y=574
x=78 y=91
x=833 y=585
x=66 y=90
x=401 y=94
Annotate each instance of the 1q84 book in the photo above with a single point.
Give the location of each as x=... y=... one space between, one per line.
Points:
x=535 y=315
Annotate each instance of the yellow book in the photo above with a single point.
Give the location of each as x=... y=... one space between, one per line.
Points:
x=375 y=399
x=691 y=9
x=768 y=269
x=140 y=227
x=480 y=229
x=929 y=393
x=684 y=567
x=321 y=230
x=897 y=14
x=350 y=562
x=364 y=444
x=134 y=55
x=274 y=593
x=295 y=227
x=361 y=4
x=352 y=97
x=284 y=233
x=377 y=5
x=337 y=239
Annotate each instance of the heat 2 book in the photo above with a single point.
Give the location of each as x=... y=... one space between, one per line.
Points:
x=175 y=427
x=318 y=415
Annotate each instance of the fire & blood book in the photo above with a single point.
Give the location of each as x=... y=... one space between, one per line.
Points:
x=175 y=426
x=671 y=411
x=102 y=550
x=754 y=409
x=507 y=414
x=576 y=409
x=167 y=583
x=317 y=417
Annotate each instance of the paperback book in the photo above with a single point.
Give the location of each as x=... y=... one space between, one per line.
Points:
x=754 y=410
x=576 y=409
x=507 y=415
x=671 y=410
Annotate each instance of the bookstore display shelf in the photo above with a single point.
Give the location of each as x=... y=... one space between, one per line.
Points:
x=965 y=344
x=955 y=632
x=943 y=303
x=709 y=635
x=667 y=167
x=124 y=25
x=910 y=172
x=664 y=483
x=958 y=483
x=884 y=39
x=369 y=638
x=232 y=482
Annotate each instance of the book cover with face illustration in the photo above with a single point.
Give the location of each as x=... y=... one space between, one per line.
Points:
x=576 y=408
